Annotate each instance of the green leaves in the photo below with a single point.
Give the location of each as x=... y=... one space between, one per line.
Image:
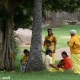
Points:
x=24 y=10
x=4 y=14
x=22 y=19
x=62 y=5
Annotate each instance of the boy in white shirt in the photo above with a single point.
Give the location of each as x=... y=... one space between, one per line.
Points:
x=48 y=63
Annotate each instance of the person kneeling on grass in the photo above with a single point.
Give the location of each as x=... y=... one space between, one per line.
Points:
x=66 y=62
x=24 y=60
x=48 y=63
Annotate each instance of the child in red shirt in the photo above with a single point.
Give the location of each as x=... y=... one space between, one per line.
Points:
x=66 y=62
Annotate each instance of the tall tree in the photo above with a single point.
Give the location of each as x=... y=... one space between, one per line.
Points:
x=7 y=60
x=8 y=7
x=35 y=59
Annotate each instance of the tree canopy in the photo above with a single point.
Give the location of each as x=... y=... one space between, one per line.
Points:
x=23 y=9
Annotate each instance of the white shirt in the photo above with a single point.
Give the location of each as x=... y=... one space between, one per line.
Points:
x=48 y=61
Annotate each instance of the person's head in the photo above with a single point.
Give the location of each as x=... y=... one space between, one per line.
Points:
x=26 y=52
x=64 y=54
x=48 y=42
x=73 y=32
x=49 y=31
x=49 y=52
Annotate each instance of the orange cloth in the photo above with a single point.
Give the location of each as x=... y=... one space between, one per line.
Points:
x=74 y=44
x=66 y=64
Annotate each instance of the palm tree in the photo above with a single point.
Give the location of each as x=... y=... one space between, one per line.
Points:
x=35 y=60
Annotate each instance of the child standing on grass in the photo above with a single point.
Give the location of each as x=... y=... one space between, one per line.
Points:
x=24 y=60
x=49 y=46
x=66 y=62
x=48 y=63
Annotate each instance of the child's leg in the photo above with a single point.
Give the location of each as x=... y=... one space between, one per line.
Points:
x=21 y=67
x=24 y=67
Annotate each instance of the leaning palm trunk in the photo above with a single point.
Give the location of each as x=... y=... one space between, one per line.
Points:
x=35 y=58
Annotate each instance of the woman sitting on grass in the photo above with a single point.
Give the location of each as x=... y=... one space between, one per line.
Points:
x=24 y=60
x=66 y=62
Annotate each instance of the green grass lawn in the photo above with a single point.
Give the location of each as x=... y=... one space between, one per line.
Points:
x=41 y=75
x=45 y=75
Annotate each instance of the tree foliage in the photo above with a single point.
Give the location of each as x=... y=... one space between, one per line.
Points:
x=62 y=5
x=23 y=9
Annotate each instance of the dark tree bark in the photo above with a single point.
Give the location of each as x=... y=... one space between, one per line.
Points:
x=8 y=47
x=0 y=44
x=35 y=58
x=8 y=55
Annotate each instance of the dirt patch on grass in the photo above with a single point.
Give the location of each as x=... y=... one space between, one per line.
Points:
x=68 y=37
x=59 y=51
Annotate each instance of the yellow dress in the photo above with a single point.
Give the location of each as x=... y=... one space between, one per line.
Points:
x=51 y=47
x=74 y=45
x=52 y=39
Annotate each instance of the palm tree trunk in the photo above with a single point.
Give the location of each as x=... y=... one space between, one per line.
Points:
x=35 y=58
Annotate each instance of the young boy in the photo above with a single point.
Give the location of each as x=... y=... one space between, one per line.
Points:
x=66 y=62
x=24 y=60
x=48 y=62
x=49 y=46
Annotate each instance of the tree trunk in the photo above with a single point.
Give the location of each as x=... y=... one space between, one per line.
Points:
x=35 y=58
x=0 y=44
x=8 y=55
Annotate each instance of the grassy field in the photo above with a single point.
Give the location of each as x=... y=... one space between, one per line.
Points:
x=45 y=75
x=41 y=75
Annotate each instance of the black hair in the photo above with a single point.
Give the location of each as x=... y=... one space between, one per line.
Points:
x=48 y=51
x=48 y=41
x=49 y=29
x=64 y=53
x=26 y=51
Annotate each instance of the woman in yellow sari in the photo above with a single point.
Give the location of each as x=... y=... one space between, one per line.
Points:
x=74 y=45
x=52 y=40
